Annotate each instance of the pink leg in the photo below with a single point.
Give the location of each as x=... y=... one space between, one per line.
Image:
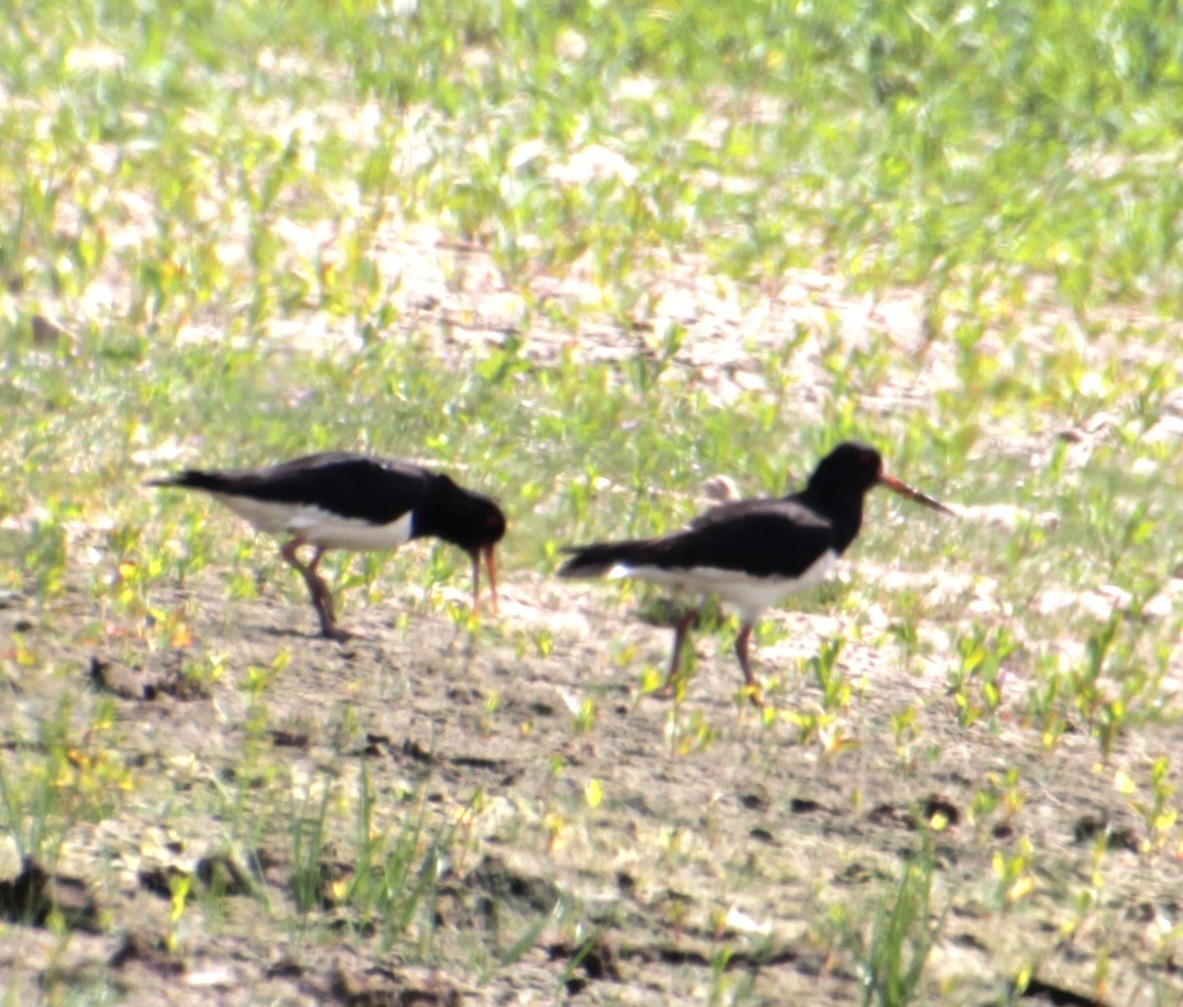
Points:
x=681 y=630
x=476 y=581
x=492 y=565
x=741 y=651
x=476 y=578
x=322 y=597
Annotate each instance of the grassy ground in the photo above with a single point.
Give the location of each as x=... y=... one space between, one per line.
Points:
x=585 y=258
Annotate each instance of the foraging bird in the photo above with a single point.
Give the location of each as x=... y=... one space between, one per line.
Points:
x=752 y=553
x=342 y=500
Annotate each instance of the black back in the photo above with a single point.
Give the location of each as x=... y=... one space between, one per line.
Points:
x=783 y=537
x=376 y=490
x=760 y=537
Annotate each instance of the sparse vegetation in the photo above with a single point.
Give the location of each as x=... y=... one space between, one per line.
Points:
x=588 y=256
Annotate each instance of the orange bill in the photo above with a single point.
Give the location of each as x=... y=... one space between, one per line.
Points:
x=489 y=562
x=487 y=552
x=904 y=490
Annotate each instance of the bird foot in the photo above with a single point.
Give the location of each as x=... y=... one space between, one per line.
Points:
x=754 y=693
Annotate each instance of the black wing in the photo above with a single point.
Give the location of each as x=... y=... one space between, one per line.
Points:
x=736 y=510
x=353 y=486
x=758 y=537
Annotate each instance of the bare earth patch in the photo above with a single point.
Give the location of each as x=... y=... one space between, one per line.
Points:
x=648 y=852
x=598 y=843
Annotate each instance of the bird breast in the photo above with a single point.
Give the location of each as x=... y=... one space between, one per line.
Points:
x=319 y=527
x=747 y=593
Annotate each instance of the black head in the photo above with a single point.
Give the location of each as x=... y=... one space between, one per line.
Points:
x=851 y=469
x=493 y=521
x=470 y=520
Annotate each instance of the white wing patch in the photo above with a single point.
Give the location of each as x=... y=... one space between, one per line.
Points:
x=320 y=527
x=747 y=593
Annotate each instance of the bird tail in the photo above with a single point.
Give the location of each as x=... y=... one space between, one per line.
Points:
x=211 y=482
x=597 y=559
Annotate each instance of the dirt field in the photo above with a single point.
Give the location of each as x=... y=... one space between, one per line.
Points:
x=586 y=257
x=718 y=866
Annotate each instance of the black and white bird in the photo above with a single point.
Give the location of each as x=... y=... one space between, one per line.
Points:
x=342 y=500
x=752 y=553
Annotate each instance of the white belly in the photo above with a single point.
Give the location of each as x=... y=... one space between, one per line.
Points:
x=747 y=594
x=321 y=528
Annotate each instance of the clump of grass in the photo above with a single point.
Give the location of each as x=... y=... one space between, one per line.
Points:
x=398 y=873
x=62 y=777
x=891 y=961
x=977 y=681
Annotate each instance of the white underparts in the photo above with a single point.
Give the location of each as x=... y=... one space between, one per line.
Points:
x=319 y=527
x=749 y=595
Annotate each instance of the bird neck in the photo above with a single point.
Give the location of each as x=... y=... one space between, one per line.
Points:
x=434 y=512
x=439 y=511
x=844 y=511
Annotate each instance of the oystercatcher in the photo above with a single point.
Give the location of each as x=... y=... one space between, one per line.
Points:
x=752 y=553
x=342 y=500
